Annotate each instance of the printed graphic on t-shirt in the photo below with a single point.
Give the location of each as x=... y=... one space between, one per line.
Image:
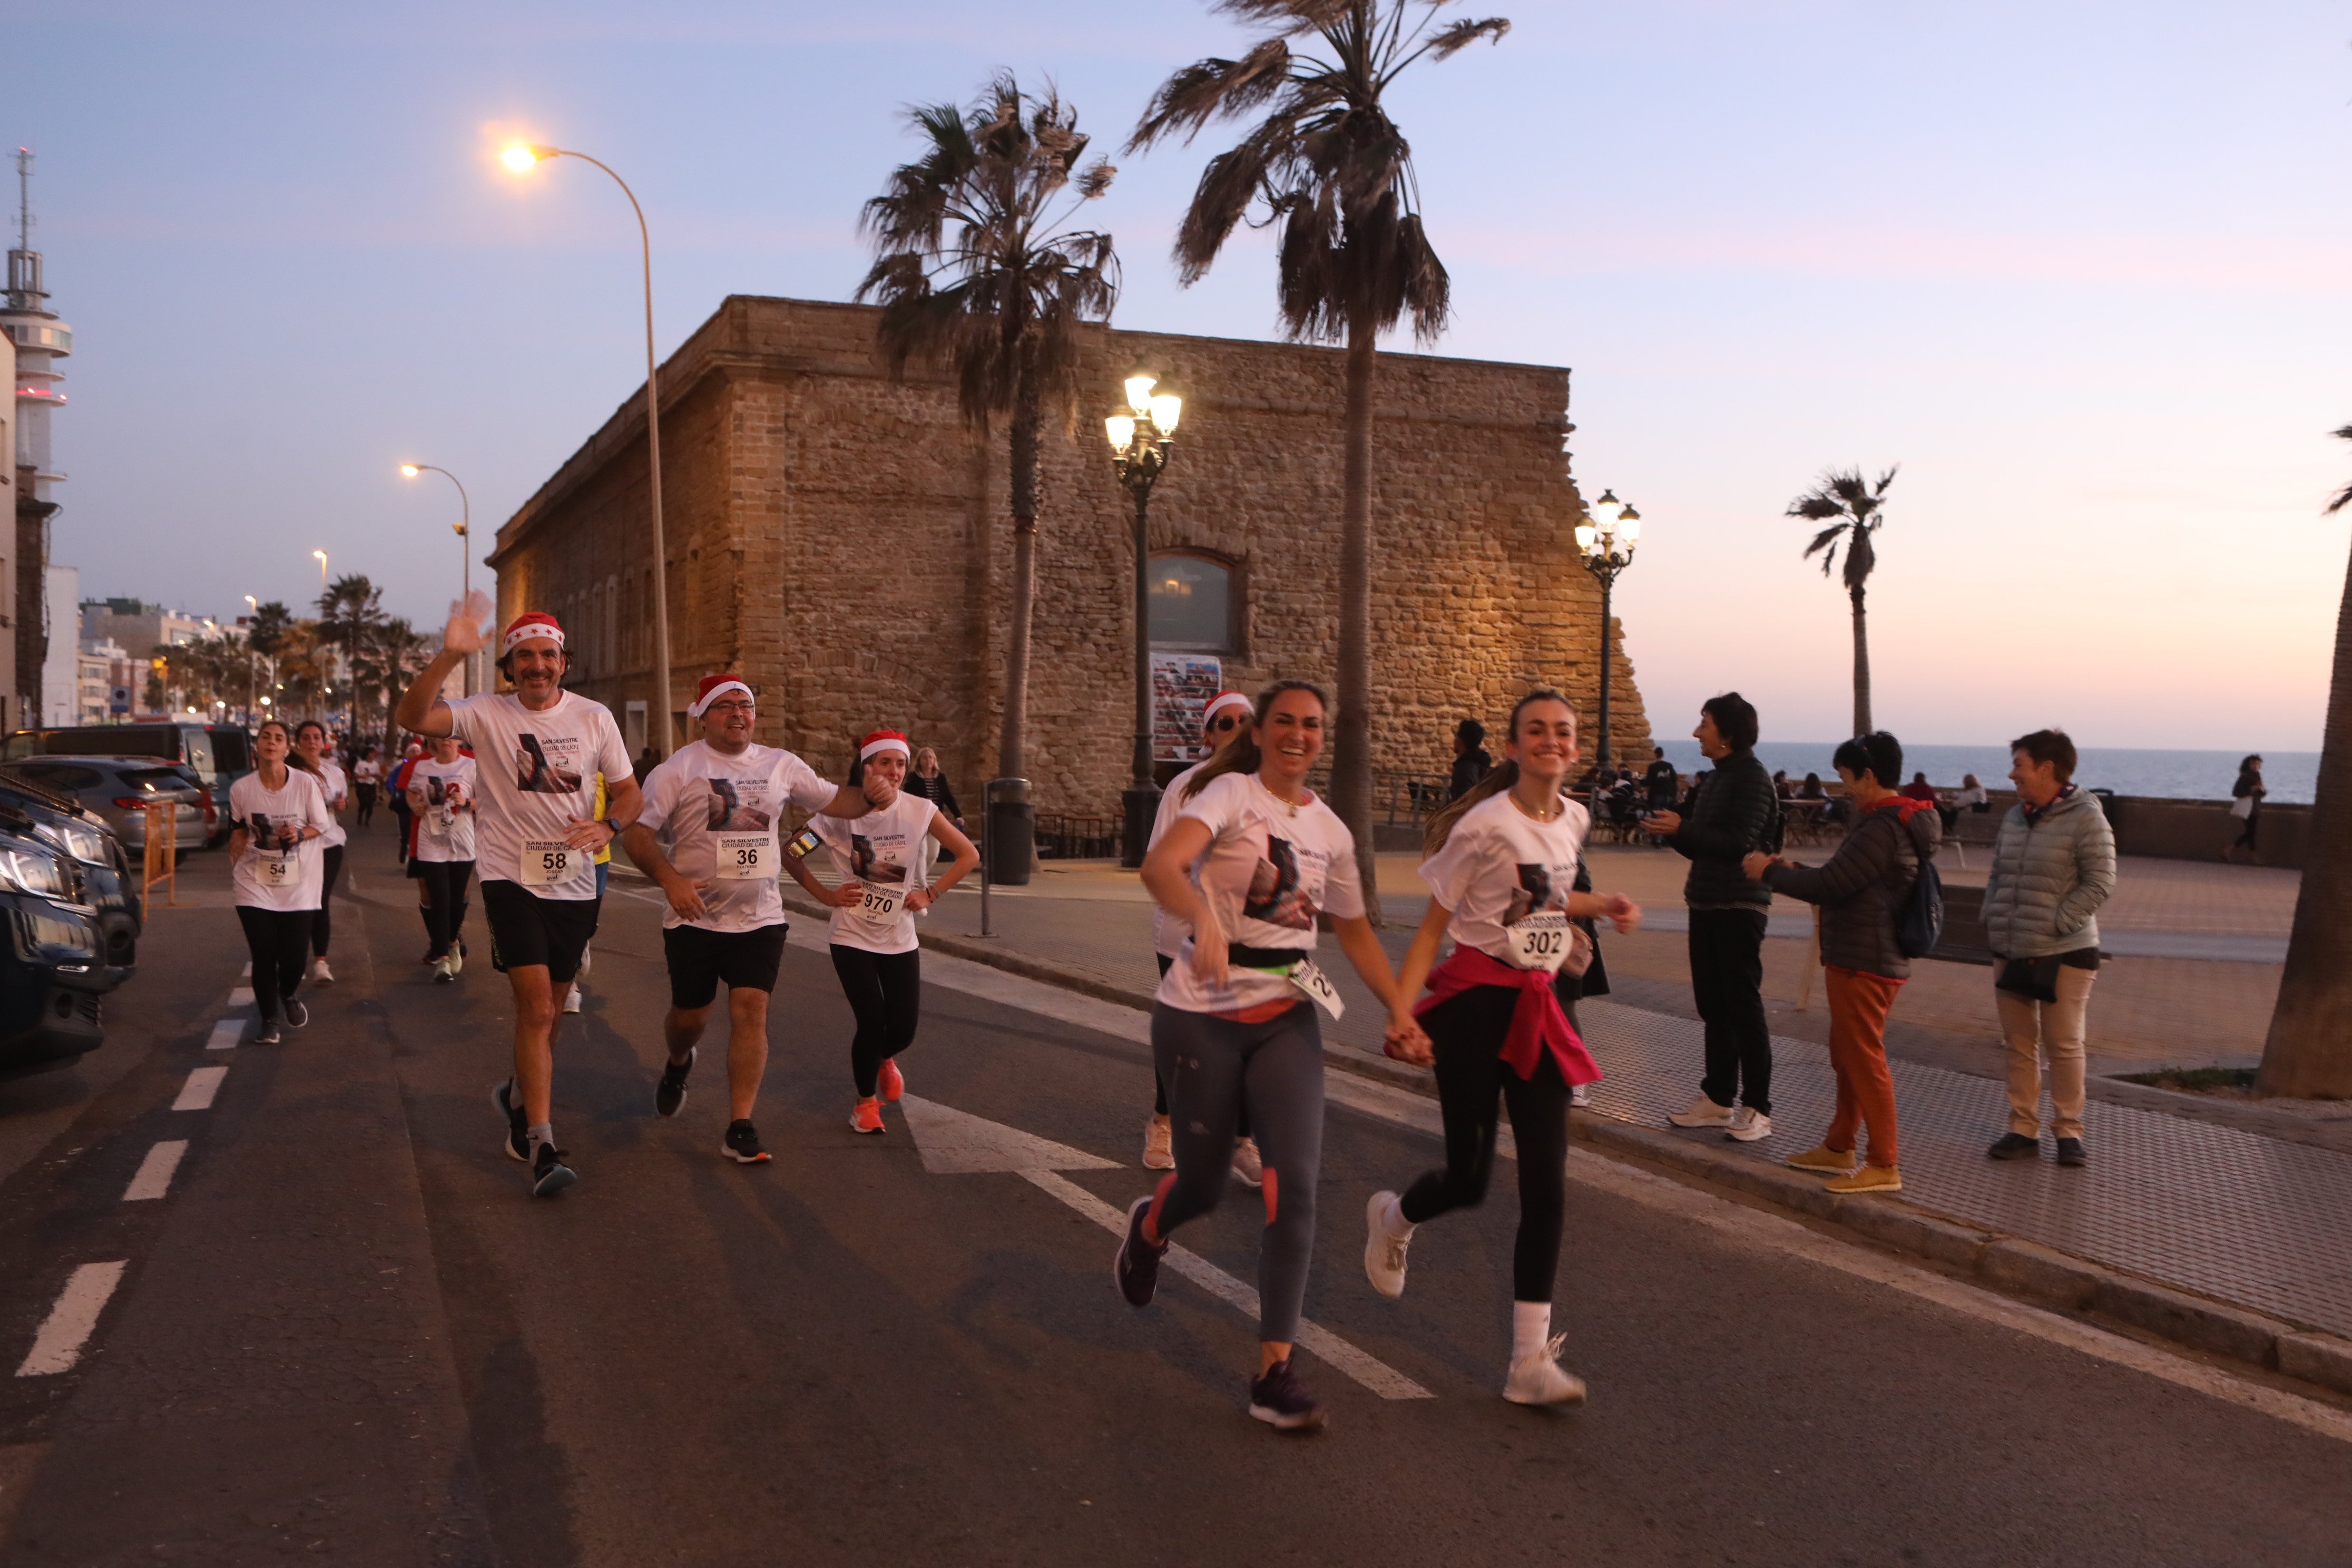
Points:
x=729 y=813
x=437 y=791
x=1275 y=894
x=553 y=765
x=1533 y=893
x=266 y=836
x=868 y=866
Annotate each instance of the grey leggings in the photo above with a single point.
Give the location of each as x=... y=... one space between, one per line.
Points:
x=1212 y=1068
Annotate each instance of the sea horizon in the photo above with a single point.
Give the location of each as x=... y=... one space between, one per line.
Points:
x=2170 y=775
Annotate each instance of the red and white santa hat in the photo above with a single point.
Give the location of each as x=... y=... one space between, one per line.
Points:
x=713 y=687
x=528 y=625
x=882 y=741
x=1226 y=700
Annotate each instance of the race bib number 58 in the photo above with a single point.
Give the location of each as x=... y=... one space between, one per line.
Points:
x=547 y=861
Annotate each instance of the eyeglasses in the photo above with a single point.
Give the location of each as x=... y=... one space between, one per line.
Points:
x=1224 y=722
x=728 y=707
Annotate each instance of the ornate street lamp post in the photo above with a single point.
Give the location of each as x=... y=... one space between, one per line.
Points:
x=1140 y=443
x=1606 y=540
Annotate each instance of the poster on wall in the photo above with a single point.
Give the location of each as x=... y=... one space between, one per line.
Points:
x=1181 y=685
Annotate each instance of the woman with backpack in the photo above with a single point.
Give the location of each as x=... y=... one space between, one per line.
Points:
x=1870 y=934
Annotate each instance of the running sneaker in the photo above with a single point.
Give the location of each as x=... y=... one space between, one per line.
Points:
x=670 y=1092
x=742 y=1144
x=1282 y=1401
x=571 y=1000
x=297 y=1014
x=1249 y=1166
x=1824 y=1160
x=868 y=1116
x=319 y=974
x=1869 y=1179
x=1539 y=1379
x=1748 y=1125
x=1703 y=1112
x=268 y=1035
x=457 y=959
x=1136 y=1270
x=548 y=1173
x=894 y=1082
x=444 y=969
x=1384 y=1249
x=1579 y=1095
x=517 y=1142
x=1158 y=1144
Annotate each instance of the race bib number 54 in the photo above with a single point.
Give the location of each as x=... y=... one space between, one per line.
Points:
x=278 y=870
x=547 y=861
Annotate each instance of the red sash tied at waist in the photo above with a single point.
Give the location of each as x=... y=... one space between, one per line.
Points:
x=1538 y=1022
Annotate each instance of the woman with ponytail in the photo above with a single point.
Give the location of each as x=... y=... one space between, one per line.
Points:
x=1501 y=863
x=1251 y=861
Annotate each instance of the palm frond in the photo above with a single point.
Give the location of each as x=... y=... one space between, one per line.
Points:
x=1211 y=90
x=1290 y=16
x=1453 y=40
x=2343 y=497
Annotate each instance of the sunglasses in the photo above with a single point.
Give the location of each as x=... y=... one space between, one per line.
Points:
x=1223 y=722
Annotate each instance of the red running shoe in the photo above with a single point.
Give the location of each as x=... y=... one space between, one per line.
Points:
x=894 y=1082
x=867 y=1117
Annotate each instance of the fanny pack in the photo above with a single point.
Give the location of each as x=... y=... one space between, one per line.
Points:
x=1265 y=957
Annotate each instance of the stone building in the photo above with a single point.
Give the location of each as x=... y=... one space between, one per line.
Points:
x=844 y=541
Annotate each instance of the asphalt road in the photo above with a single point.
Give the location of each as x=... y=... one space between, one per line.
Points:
x=346 y=1334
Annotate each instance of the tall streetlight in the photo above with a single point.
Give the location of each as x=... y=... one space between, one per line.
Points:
x=465 y=527
x=1606 y=540
x=521 y=158
x=326 y=698
x=252 y=661
x=1140 y=443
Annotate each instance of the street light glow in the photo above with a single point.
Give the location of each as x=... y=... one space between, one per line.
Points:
x=1121 y=428
x=519 y=157
x=1139 y=391
x=410 y=470
x=1166 y=408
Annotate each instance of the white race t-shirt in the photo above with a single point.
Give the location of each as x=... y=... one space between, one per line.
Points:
x=537 y=777
x=890 y=853
x=367 y=769
x=724 y=814
x=445 y=829
x=270 y=876
x=337 y=787
x=1499 y=865
x=1270 y=868
x=1169 y=931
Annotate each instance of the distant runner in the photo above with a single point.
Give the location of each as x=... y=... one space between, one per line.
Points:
x=277 y=815
x=310 y=743
x=441 y=791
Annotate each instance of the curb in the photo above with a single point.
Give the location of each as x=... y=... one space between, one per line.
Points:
x=2011 y=1264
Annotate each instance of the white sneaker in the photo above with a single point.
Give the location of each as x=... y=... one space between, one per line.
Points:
x=1580 y=1094
x=1249 y=1166
x=456 y=960
x=444 y=970
x=1704 y=1112
x=319 y=974
x=1384 y=1249
x=571 y=1000
x=1748 y=1125
x=1159 y=1145
x=1539 y=1379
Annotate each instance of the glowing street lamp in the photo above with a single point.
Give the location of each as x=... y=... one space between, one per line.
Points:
x=1605 y=542
x=521 y=159
x=465 y=528
x=1140 y=444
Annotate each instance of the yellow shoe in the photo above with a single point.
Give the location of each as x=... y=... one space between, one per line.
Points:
x=1824 y=1160
x=1869 y=1179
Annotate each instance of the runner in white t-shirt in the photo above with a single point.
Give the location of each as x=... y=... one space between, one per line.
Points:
x=1501 y=865
x=367 y=778
x=884 y=859
x=1251 y=861
x=441 y=791
x=276 y=815
x=536 y=833
x=722 y=798
x=1223 y=722
x=310 y=742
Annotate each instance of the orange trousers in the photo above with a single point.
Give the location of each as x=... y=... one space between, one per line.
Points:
x=1859 y=1003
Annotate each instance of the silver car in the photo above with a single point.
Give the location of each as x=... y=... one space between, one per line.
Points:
x=118 y=790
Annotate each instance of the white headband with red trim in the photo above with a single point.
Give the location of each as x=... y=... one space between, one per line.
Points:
x=1225 y=700
x=883 y=741
x=696 y=709
x=526 y=626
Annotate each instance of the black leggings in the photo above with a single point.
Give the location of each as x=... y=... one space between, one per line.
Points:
x=279 y=941
x=886 y=992
x=322 y=927
x=1160 y=1086
x=366 y=792
x=444 y=902
x=1467 y=1031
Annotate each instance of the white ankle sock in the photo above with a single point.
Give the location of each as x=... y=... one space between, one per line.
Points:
x=1530 y=1327
x=539 y=1133
x=1393 y=1219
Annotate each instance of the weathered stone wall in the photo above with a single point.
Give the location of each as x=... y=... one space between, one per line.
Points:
x=841 y=538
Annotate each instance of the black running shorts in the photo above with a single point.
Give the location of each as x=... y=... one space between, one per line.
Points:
x=699 y=960
x=527 y=929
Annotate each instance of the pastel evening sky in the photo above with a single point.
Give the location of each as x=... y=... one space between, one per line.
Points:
x=2080 y=267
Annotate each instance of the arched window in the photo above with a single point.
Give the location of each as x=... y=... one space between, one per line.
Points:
x=1196 y=602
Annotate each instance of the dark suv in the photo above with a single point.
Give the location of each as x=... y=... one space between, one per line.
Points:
x=218 y=754
x=110 y=880
x=52 y=956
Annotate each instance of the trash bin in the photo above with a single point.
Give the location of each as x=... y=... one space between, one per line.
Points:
x=1008 y=840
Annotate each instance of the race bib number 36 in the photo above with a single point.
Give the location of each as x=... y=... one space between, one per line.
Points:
x=547 y=861
x=747 y=857
x=1539 y=942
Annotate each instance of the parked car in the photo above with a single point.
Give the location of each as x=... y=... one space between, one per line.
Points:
x=218 y=754
x=110 y=877
x=52 y=960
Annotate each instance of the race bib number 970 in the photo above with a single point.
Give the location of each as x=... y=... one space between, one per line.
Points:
x=879 y=906
x=547 y=861
x=747 y=857
x=1539 y=942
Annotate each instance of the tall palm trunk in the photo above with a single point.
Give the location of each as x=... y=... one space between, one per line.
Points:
x=1026 y=418
x=1862 y=724
x=1351 y=752
x=2309 y=1050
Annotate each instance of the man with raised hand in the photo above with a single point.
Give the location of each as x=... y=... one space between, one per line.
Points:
x=539 y=749
x=723 y=798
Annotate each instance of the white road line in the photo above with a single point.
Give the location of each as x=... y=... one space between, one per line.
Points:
x=241 y=998
x=59 y=1344
x=156 y=1172
x=225 y=1034
x=1377 y=1375
x=197 y=1093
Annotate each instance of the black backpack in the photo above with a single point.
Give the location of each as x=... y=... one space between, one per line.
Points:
x=1919 y=924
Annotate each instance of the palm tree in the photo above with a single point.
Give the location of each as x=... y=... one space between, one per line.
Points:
x=1327 y=165
x=2309 y=1050
x=351 y=612
x=1857 y=505
x=395 y=655
x=977 y=269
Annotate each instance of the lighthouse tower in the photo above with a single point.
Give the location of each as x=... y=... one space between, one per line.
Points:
x=40 y=341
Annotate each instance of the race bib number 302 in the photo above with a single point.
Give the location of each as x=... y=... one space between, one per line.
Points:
x=1539 y=942
x=747 y=857
x=547 y=861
